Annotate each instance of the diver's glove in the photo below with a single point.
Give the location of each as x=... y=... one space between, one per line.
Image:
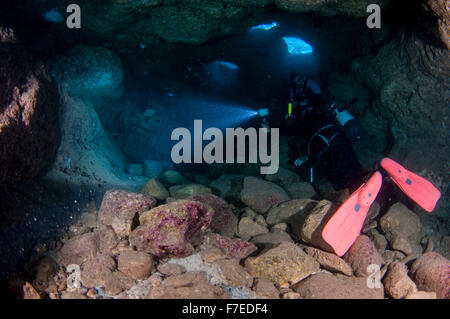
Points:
x=300 y=161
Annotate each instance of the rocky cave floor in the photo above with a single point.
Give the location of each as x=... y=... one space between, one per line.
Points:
x=176 y=239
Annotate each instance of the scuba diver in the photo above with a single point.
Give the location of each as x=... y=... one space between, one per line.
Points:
x=328 y=131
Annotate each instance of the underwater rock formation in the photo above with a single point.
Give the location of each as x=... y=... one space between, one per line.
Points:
x=139 y=126
x=408 y=82
x=284 y=265
x=431 y=272
x=330 y=261
x=184 y=191
x=261 y=195
x=100 y=272
x=29 y=128
x=397 y=283
x=120 y=210
x=175 y=254
x=138 y=24
x=224 y=222
x=190 y=285
x=362 y=254
x=87 y=156
x=399 y=221
x=89 y=72
x=79 y=249
x=169 y=230
x=155 y=189
x=440 y=10
x=328 y=286
x=135 y=264
x=355 y=8
x=235 y=248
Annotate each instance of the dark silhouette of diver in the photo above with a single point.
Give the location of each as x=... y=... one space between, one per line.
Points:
x=327 y=134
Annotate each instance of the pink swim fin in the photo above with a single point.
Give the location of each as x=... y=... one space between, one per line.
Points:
x=345 y=225
x=417 y=188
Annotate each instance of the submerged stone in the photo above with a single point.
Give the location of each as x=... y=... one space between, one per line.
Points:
x=284 y=265
x=172 y=229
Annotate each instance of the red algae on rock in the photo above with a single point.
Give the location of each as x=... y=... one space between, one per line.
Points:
x=171 y=230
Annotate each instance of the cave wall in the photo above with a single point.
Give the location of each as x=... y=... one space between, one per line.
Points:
x=128 y=24
x=29 y=128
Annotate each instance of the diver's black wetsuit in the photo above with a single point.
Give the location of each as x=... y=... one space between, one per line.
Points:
x=330 y=152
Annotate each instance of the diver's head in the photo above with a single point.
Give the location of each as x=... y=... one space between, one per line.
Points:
x=298 y=79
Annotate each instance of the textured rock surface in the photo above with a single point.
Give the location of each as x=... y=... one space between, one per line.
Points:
x=135 y=264
x=431 y=272
x=378 y=240
x=283 y=177
x=191 y=285
x=45 y=269
x=401 y=244
x=107 y=238
x=400 y=221
x=170 y=269
x=362 y=254
x=408 y=77
x=292 y=212
x=235 y=248
x=247 y=228
x=397 y=284
x=300 y=190
x=120 y=209
x=79 y=249
x=330 y=261
x=171 y=229
x=29 y=128
x=330 y=7
x=327 y=286
x=228 y=186
x=261 y=195
x=100 y=272
x=234 y=274
x=273 y=238
x=311 y=229
x=184 y=191
x=441 y=13
x=266 y=289
x=224 y=222
x=92 y=72
x=421 y=295
x=194 y=23
x=87 y=156
x=174 y=178
x=284 y=265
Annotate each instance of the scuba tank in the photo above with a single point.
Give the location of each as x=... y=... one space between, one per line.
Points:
x=348 y=124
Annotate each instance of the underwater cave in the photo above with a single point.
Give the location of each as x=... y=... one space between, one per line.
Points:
x=117 y=153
